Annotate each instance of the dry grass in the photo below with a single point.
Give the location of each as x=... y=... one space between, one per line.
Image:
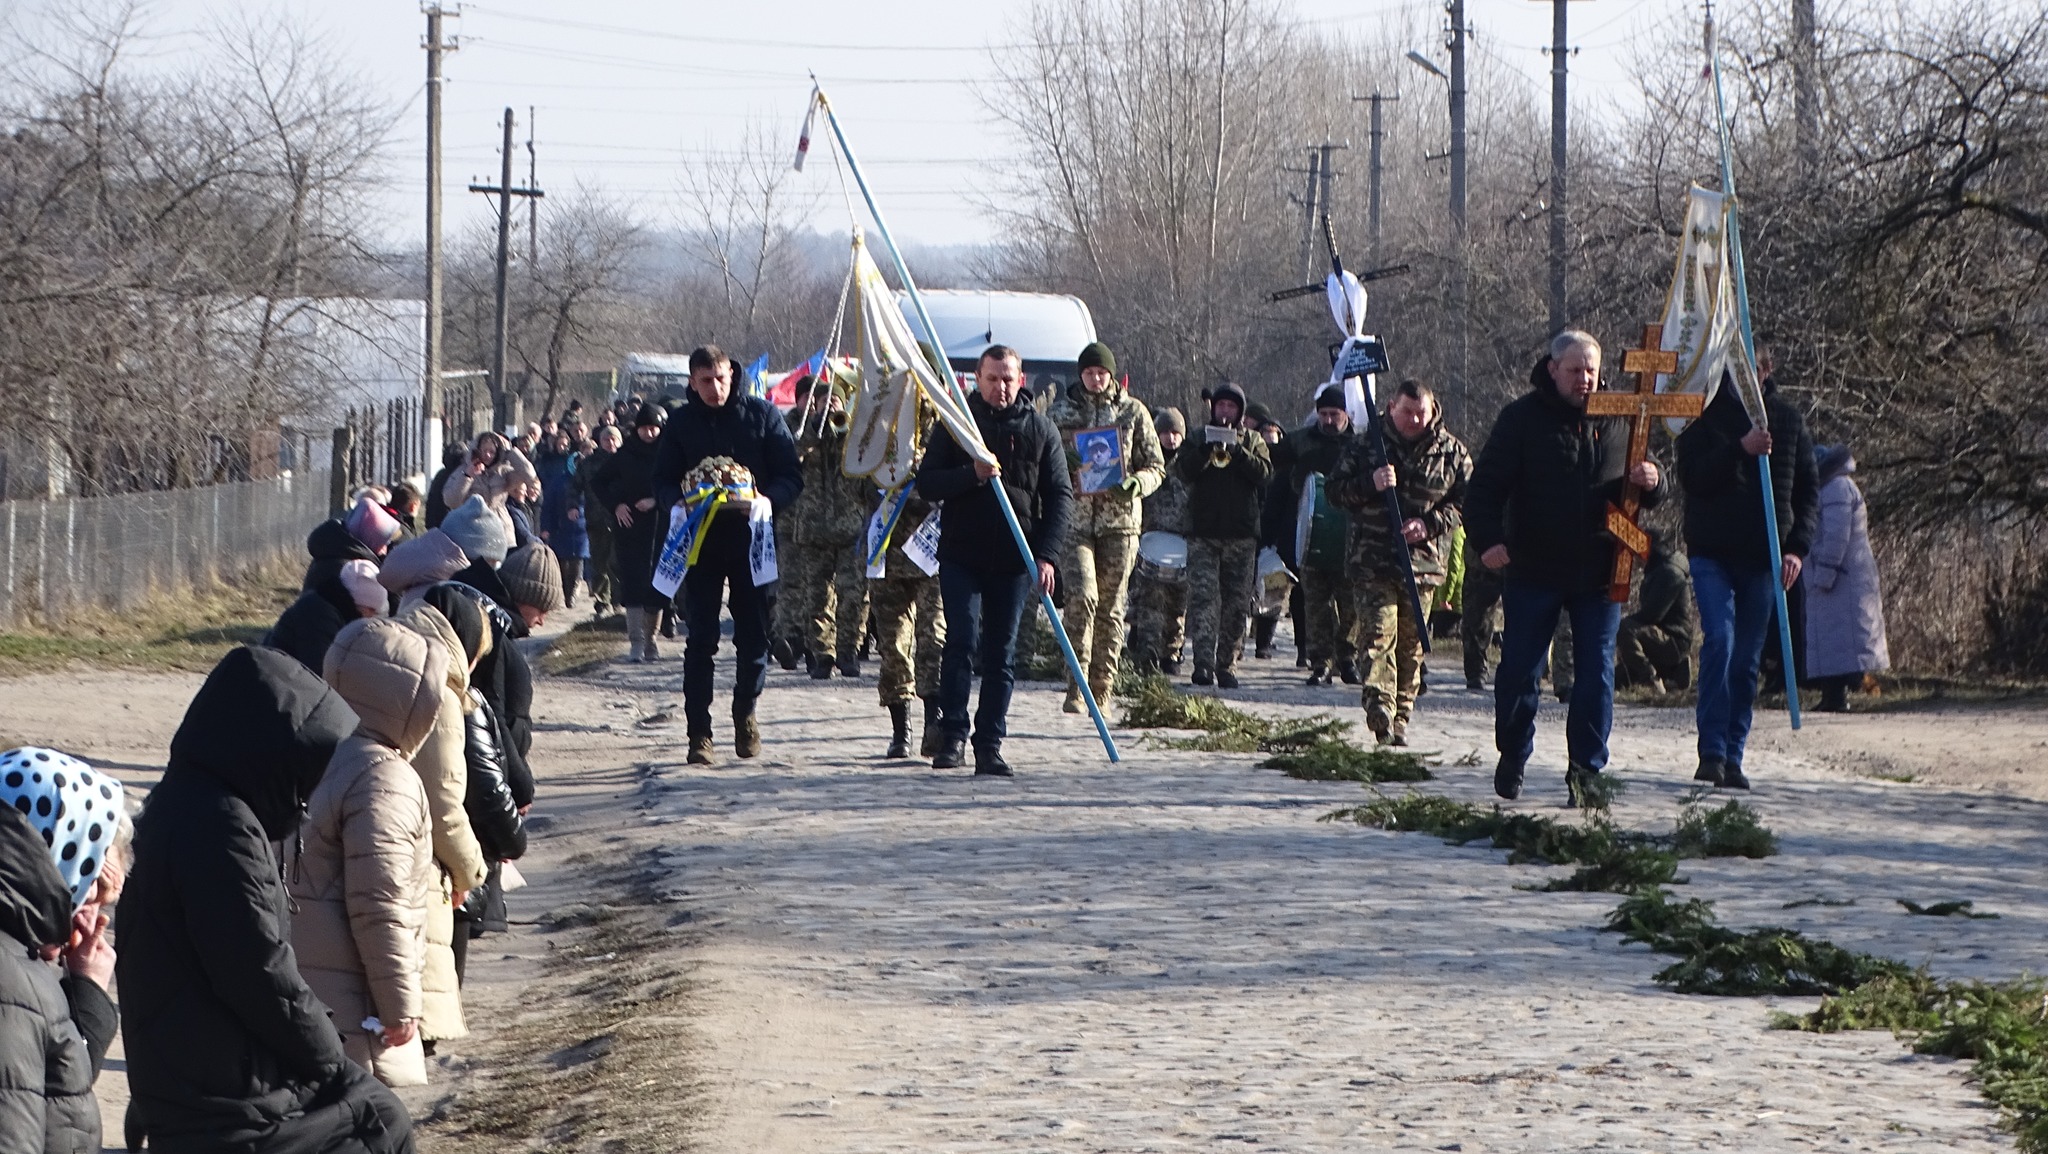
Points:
x=586 y=647
x=188 y=632
x=595 y=1057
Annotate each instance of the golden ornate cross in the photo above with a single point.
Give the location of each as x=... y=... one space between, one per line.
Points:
x=1640 y=406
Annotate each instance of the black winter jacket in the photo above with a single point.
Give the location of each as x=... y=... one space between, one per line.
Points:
x=54 y=1030
x=1028 y=446
x=493 y=811
x=1542 y=486
x=750 y=430
x=227 y=1048
x=308 y=625
x=437 y=503
x=505 y=681
x=1724 y=508
x=1225 y=502
x=331 y=546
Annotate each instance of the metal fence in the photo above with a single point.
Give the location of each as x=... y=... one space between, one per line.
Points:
x=62 y=556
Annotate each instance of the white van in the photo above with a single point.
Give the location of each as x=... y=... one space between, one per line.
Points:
x=1048 y=330
x=652 y=376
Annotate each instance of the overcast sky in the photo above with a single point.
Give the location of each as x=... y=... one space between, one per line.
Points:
x=626 y=91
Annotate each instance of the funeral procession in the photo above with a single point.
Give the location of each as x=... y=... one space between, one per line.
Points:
x=1070 y=575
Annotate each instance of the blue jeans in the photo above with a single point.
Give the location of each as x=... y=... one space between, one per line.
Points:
x=1530 y=618
x=723 y=564
x=1735 y=610
x=982 y=611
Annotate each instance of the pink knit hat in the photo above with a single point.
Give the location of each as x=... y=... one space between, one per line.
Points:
x=359 y=577
x=369 y=523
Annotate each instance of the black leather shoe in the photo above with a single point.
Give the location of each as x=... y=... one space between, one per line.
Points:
x=1731 y=777
x=1349 y=672
x=952 y=753
x=1203 y=677
x=1711 y=771
x=1507 y=778
x=990 y=763
x=1225 y=679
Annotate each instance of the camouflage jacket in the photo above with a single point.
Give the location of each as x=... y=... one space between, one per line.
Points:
x=833 y=510
x=1166 y=510
x=1114 y=511
x=1429 y=475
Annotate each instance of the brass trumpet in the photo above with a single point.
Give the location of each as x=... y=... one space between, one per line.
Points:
x=1219 y=455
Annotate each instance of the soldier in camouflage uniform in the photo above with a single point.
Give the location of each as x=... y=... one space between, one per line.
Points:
x=1225 y=480
x=1158 y=609
x=910 y=625
x=1330 y=608
x=1428 y=468
x=1102 y=540
x=824 y=581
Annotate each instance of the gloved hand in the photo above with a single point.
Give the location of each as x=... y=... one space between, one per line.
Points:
x=1130 y=485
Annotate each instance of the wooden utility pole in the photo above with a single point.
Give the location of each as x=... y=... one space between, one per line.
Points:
x=1461 y=265
x=507 y=408
x=430 y=391
x=1327 y=173
x=532 y=205
x=1308 y=213
x=1378 y=134
x=1560 y=53
x=1806 y=86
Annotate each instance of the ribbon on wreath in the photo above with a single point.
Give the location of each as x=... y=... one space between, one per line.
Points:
x=685 y=541
x=882 y=526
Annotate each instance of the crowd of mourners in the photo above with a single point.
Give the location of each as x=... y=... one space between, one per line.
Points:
x=344 y=803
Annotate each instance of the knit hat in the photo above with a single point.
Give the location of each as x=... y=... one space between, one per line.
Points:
x=1258 y=412
x=478 y=530
x=1170 y=420
x=650 y=415
x=1228 y=391
x=1096 y=355
x=1332 y=397
x=533 y=577
x=369 y=523
x=359 y=577
x=76 y=808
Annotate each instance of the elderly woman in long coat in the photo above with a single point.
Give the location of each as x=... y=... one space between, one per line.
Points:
x=1844 y=603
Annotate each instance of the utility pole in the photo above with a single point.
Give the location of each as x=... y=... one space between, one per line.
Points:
x=532 y=205
x=1560 y=52
x=1806 y=85
x=430 y=391
x=508 y=409
x=1461 y=266
x=1308 y=213
x=1378 y=133
x=1328 y=174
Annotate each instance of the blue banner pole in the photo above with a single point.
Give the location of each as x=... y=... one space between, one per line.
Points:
x=1059 y=630
x=1763 y=463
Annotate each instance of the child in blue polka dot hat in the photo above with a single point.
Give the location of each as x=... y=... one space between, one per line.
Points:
x=78 y=810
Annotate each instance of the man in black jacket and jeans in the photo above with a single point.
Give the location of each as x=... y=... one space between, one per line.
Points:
x=1536 y=508
x=983 y=581
x=717 y=422
x=1734 y=560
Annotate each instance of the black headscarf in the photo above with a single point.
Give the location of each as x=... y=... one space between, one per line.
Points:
x=462 y=614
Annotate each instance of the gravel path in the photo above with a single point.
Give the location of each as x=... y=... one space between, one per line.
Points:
x=1173 y=953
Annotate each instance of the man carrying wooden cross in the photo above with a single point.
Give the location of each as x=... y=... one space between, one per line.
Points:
x=1537 y=509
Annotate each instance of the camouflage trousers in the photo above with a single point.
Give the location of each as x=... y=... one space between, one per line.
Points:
x=1389 y=651
x=911 y=627
x=823 y=601
x=1158 y=615
x=1332 y=613
x=1647 y=654
x=1220 y=576
x=1097 y=573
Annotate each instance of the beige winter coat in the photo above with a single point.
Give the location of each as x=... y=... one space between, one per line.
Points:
x=494 y=484
x=360 y=883
x=444 y=774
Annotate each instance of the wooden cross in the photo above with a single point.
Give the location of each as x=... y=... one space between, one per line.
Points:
x=1645 y=364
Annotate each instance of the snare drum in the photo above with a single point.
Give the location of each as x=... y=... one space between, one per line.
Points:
x=1163 y=557
x=1275 y=584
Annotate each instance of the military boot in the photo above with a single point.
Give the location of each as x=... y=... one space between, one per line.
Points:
x=1262 y=636
x=928 y=745
x=746 y=734
x=899 y=730
x=821 y=667
x=700 y=749
x=636 y=633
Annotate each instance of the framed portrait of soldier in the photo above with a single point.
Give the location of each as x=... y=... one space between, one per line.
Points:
x=1102 y=460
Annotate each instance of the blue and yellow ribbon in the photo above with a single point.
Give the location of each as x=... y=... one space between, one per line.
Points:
x=901 y=498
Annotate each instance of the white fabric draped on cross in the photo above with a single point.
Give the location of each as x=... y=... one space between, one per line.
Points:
x=881 y=438
x=1701 y=321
